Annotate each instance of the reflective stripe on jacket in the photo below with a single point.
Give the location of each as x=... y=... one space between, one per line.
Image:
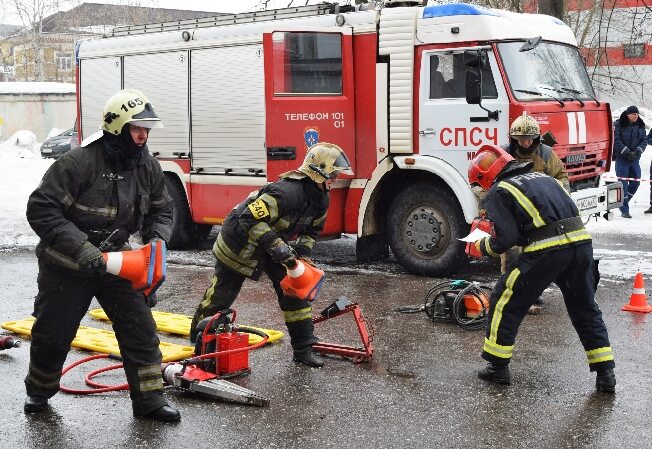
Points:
x=284 y=209
x=518 y=204
x=76 y=201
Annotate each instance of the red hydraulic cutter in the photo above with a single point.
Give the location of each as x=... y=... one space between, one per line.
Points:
x=341 y=306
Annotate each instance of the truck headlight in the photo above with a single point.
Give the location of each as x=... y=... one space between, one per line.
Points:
x=615 y=194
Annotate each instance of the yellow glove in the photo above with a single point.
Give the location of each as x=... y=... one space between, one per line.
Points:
x=477 y=246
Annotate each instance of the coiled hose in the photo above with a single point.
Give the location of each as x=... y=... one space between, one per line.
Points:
x=447 y=301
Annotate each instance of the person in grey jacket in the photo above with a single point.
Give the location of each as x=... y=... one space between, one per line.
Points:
x=629 y=143
x=105 y=190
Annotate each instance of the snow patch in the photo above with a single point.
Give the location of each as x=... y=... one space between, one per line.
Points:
x=21 y=144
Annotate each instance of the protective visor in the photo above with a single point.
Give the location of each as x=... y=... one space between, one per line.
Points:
x=155 y=123
x=342 y=165
x=147 y=118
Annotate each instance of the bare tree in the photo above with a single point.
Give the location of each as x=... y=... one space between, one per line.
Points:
x=31 y=13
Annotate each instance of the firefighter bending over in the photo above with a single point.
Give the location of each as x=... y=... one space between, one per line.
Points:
x=254 y=237
x=109 y=187
x=533 y=210
x=525 y=146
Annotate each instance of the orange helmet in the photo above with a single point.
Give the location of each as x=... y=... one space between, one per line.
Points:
x=488 y=162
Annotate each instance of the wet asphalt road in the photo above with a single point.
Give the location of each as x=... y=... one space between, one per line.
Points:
x=420 y=390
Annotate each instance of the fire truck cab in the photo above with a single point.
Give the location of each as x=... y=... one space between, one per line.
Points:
x=409 y=92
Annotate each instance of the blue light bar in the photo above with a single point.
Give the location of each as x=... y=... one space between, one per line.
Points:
x=456 y=9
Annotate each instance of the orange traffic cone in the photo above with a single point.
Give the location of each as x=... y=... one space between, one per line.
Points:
x=160 y=267
x=136 y=266
x=303 y=281
x=638 y=299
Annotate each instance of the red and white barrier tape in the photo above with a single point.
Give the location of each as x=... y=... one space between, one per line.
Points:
x=607 y=177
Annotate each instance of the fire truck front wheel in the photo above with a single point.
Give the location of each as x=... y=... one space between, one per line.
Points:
x=185 y=233
x=423 y=226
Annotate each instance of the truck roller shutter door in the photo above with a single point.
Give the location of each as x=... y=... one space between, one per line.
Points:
x=163 y=78
x=100 y=79
x=228 y=110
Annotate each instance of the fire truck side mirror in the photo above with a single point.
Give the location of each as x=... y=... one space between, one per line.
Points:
x=473 y=86
x=473 y=62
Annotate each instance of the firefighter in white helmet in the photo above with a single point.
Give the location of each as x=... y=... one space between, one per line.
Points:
x=109 y=187
x=254 y=238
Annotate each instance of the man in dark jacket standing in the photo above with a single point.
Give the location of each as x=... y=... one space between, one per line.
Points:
x=254 y=237
x=533 y=210
x=629 y=143
x=110 y=186
x=649 y=142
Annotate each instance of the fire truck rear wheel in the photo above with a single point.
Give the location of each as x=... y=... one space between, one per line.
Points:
x=423 y=227
x=185 y=233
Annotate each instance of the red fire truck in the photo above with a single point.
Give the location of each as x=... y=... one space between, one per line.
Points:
x=409 y=92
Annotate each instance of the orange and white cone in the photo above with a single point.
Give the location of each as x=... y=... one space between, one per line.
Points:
x=638 y=298
x=303 y=281
x=136 y=265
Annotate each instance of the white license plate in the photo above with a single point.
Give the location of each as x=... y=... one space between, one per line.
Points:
x=575 y=158
x=46 y=151
x=587 y=203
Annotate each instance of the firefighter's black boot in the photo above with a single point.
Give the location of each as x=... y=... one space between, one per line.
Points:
x=35 y=404
x=308 y=357
x=606 y=381
x=495 y=373
x=164 y=413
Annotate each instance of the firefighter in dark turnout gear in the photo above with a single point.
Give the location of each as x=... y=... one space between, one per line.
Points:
x=110 y=186
x=525 y=146
x=254 y=237
x=534 y=211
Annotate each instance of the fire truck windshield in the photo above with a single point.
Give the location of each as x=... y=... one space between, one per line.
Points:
x=550 y=71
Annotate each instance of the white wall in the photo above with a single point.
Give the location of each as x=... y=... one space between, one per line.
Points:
x=37 y=112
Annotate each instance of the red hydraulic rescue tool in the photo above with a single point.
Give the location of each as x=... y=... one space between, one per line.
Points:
x=221 y=352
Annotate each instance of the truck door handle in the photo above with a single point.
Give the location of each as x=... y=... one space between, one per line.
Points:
x=281 y=153
x=426 y=131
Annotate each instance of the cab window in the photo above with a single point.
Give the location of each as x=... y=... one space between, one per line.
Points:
x=307 y=63
x=448 y=77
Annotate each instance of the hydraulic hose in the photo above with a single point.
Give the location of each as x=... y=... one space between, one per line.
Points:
x=101 y=388
x=97 y=388
x=445 y=301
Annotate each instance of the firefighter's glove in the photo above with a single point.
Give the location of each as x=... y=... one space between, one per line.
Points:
x=625 y=151
x=151 y=299
x=89 y=257
x=280 y=252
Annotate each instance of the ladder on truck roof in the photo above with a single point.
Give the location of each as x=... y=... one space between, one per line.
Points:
x=228 y=19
